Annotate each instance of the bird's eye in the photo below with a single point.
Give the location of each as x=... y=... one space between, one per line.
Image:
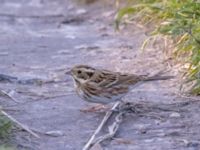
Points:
x=79 y=72
x=90 y=74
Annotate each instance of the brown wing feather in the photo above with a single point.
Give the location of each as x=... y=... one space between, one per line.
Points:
x=103 y=78
x=129 y=79
x=109 y=79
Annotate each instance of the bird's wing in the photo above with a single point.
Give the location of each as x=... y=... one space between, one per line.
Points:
x=105 y=78
x=111 y=79
x=129 y=79
x=122 y=79
x=95 y=93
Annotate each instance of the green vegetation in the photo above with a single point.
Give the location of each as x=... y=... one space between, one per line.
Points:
x=5 y=127
x=3 y=147
x=178 y=20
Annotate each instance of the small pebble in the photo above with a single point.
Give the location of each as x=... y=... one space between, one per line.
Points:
x=175 y=115
x=55 y=133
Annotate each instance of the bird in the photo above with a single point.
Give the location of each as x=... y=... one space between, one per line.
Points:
x=104 y=86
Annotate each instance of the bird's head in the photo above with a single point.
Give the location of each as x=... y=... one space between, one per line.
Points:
x=81 y=73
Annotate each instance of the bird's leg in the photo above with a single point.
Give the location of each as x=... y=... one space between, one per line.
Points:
x=97 y=108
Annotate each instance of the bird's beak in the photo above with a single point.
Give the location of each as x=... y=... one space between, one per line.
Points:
x=68 y=72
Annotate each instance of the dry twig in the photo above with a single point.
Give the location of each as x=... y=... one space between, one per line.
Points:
x=112 y=129
x=90 y=143
x=141 y=110
x=24 y=127
x=9 y=94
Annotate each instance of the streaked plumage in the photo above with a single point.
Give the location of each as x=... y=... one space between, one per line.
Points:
x=103 y=86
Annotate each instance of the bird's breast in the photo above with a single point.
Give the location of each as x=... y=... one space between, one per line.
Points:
x=104 y=97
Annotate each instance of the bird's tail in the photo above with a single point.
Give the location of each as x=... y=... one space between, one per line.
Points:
x=157 y=77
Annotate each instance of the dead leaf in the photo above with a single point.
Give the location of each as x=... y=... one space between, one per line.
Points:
x=122 y=141
x=96 y=147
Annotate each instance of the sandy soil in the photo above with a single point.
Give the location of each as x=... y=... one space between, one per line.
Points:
x=41 y=39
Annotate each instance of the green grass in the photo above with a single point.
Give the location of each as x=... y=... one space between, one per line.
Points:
x=4 y=147
x=178 y=20
x=5 y=127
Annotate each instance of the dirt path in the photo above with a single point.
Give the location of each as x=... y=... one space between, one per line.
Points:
x=41 y=39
